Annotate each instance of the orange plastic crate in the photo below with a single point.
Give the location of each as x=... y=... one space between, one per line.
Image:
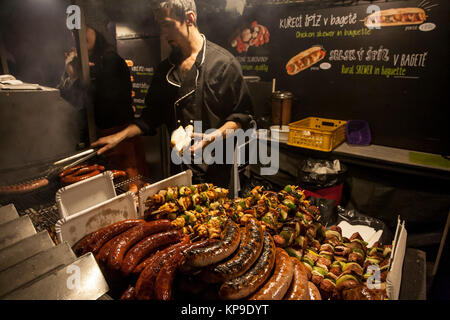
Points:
x=317 y=133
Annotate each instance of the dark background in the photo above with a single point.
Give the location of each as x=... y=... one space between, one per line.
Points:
x=404 y=113
x=35 y=37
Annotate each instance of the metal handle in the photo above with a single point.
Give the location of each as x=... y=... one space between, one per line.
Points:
x=73 y=164
x=81 y=154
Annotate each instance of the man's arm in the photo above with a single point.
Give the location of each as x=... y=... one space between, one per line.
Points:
x=109 y=142
x=152 y=117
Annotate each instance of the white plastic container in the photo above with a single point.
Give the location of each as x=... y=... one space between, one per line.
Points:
x=85 y=194
x=75 y=227
x=181 y=179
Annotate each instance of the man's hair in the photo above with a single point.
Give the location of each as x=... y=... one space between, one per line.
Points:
x=178 y=8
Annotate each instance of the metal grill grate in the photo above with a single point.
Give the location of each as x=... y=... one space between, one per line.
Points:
x=124 y=186
x=41 y=207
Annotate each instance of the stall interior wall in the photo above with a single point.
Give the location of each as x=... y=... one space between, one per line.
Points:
x=395 y=77
x=35 y=38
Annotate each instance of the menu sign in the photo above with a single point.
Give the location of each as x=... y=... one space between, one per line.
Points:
x=142 y=56
x=383 y=63
x=371 y=59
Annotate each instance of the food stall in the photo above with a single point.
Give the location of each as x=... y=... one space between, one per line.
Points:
x=349 y=97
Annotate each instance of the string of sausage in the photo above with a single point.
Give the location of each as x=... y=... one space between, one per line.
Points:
x=81 y=173
x=24 y=187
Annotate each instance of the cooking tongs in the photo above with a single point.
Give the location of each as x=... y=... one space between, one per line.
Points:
x=56 y=169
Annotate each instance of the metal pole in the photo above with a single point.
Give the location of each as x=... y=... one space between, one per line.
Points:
x=3 y=56
x=441 y=247
x=82 y=50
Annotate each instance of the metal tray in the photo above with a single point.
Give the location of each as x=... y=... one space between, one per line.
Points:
x=184 y=178
x=15 y=230
x=75 y=227
x=8 y=213
x=24 y=249
x=35 y=267
x=80 y=280
x=85 y=194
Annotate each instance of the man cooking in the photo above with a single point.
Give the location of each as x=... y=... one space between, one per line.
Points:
x=200 y=81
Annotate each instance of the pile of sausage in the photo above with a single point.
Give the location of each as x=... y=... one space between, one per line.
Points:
x=248 y=265
x=150 y=251
x=244 y=262
x=68 y=176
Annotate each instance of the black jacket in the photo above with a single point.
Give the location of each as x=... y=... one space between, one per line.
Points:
x=213 y=91
x=111 y=91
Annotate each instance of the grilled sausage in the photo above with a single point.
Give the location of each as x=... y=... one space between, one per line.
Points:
x=145 y=247
x=95 y=240
x=299 y=289
x=207 y=274
x=141 y=266
x=129 y=294
x=81 y=173
x=199 y=244
x=132 y=236
x=252 y=280
x=187 y=269
x=88 y=169
x=164 y=279
x=216 y=252
x=80 y=247
x=133 y=188
x=146 y=281
x=314 y=293
x=277 y=286
x=166 y=275
x=77 y=178
x=72 y=170
x=103 y=254
x=248 y=252
x=118 y=173
x=24 y=187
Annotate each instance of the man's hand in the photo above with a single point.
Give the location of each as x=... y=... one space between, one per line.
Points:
x=202 y=140
x=110 y=142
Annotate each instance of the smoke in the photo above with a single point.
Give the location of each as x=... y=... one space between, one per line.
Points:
x=237 y=6
x=33 y=40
